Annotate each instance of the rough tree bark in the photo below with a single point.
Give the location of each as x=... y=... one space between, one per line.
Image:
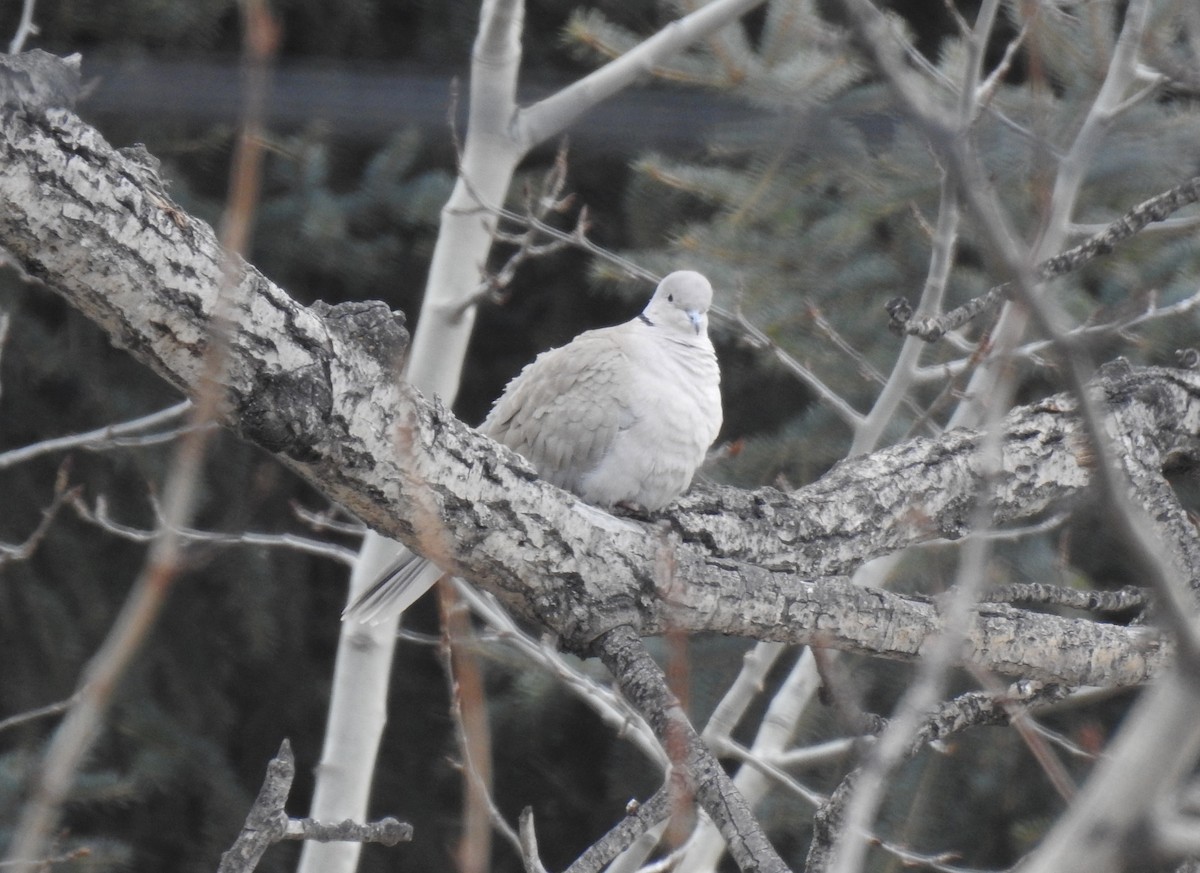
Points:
x=316 y=387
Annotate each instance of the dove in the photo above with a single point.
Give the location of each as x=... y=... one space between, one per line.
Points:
x=619 y=416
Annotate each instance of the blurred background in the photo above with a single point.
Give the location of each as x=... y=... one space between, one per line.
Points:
x=786 y=175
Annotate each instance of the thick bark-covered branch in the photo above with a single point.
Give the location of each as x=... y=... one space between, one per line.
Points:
x=318 y=387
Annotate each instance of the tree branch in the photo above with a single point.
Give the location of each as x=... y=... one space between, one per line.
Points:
x=267 y=822
x=643 y=682
x=973 y=709
x=1157 y=208
x=316 y=386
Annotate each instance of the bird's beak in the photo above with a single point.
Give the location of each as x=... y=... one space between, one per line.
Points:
x=696 y=318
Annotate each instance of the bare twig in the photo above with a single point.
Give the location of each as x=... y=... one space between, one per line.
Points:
x=642 y=681
x=974 y=709
x=1037 y=744
x=1082 y=334
x=100 y=517
x=34 y=714
x=127 y=433
x=468 y=714
x=612 y=708
x=776 y=772
x=1155 y=209
x=267 y=822
x=386 y=831
x=73 y=856
x=528 y=243
x=759 y=339
x=24 y=551
x=908 y=858
x=535 y=123
x=815 y=755
x=987 y=89
x=640 y=819
x=333 y=520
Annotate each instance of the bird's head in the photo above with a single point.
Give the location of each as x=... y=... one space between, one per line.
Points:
x=680 y=303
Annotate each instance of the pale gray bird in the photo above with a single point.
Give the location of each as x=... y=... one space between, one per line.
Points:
x=620 y=415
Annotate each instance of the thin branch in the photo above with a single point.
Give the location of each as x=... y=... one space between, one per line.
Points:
x=1010 y=534
x=24 y=551
x=974 y=709
x=1167 y=225
x=939 y=78
x=267 y=822
x=83 y=853
x=642 y=681
x=868 y=371
x=941 y=261
x=1037 y=744
x=758 y=339
x=908 y=858
x=528 y=843
x=776 y=772
x=25 y=28
x=100 y=517
x=1082 y=334
x=528 y=244
x=987 y=90
x=386 y=831
x=639 y=819
x=613 y=709
x=332 y=520
x=816 y=755
x=1157 y=208
x=104 y=438
x=468 y=714
x=41 y=712
x=576 y=237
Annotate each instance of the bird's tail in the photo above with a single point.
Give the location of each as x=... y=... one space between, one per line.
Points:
x=394 y=591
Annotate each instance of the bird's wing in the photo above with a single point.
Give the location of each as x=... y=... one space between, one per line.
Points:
x=564 y=410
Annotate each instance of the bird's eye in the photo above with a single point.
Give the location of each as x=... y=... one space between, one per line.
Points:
x=670 y=298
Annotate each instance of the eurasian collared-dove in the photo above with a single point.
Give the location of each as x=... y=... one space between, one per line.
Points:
x=619 y=415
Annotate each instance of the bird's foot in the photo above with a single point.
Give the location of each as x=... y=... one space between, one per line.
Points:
x=634 y=510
